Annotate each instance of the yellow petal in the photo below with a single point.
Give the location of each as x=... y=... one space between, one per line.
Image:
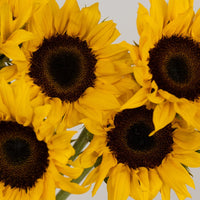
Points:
x=94 y=150
x=176 y=7
x=22 y=12
x=158 y=12
x=85 y=111
x=44 y=21
x=100 y=99
x=38 y=99
x=69 y=171
x=36 y=29
x=165 y=192
x=134 y=51
x=190 y=159
x=49 y=187
x=12 y=50
x=195 y=29
x=59 y=156
x=114 y=52
x=63 y=16
x=82 y=23
x=180 y=25
x=54 y=7
x=163 y=114
x=74 y=27
x=141 y=75
x=4 y=112
x=40 y=127
x=88 y=159
x=187 y=139
x=144 y=178
x=143 y=175
x=118 y=74
x=2 y=187
x=118 y=185
x=155 y=183
x=61 y=140
x=168 y=96
x=66 y=184
x=9 y=73
x=91 y=177
x=142 y=11
x=187 y=111
x=91 y=16
x=8 y=97
x=24 y=111
x=139 y=99
x=182 y=196
x=105 y=67
x=13 y=193
x=155 y=97
x=72 y=116
x=127 y=87
x=20 y=36
x=6 y=21
x=102 y=35
x=57 y=112
x=135 y=187
x=41 y=112
x=93 y=126
x=149 y=37
x=37 y=191
x=4 y=109
x=175 y=176
x=179 y=150
x=107 y=163
x=38 y=4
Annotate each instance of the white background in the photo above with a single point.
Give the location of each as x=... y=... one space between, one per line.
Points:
x=124 y=13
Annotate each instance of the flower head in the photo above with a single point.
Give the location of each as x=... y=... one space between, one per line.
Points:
x=33 y=154
x=167 y=61
x=72 y=59
x=138 y=165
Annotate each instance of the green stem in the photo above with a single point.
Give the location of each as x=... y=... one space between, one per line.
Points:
x=81 y=142
x=83 y=139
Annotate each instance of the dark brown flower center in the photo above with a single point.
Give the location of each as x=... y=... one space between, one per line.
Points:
x=130 y=143
x=137 y=137
x=177 y=69
x=16 y=150
x=63 y=67
x=174 y=64
x=24 y=159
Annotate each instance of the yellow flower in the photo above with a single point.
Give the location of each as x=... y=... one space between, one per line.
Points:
x=13 y=17
x=167 y=61
x=33 y=154
x=137 y=165
x=72 y=58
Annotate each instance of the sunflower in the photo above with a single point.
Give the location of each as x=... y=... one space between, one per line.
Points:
x=134 y=164
x=167 y=61
x=14 y=15
x=72 y=58
x=33 y=155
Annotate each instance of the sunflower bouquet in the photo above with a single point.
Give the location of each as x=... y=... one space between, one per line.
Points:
x=137 y=104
